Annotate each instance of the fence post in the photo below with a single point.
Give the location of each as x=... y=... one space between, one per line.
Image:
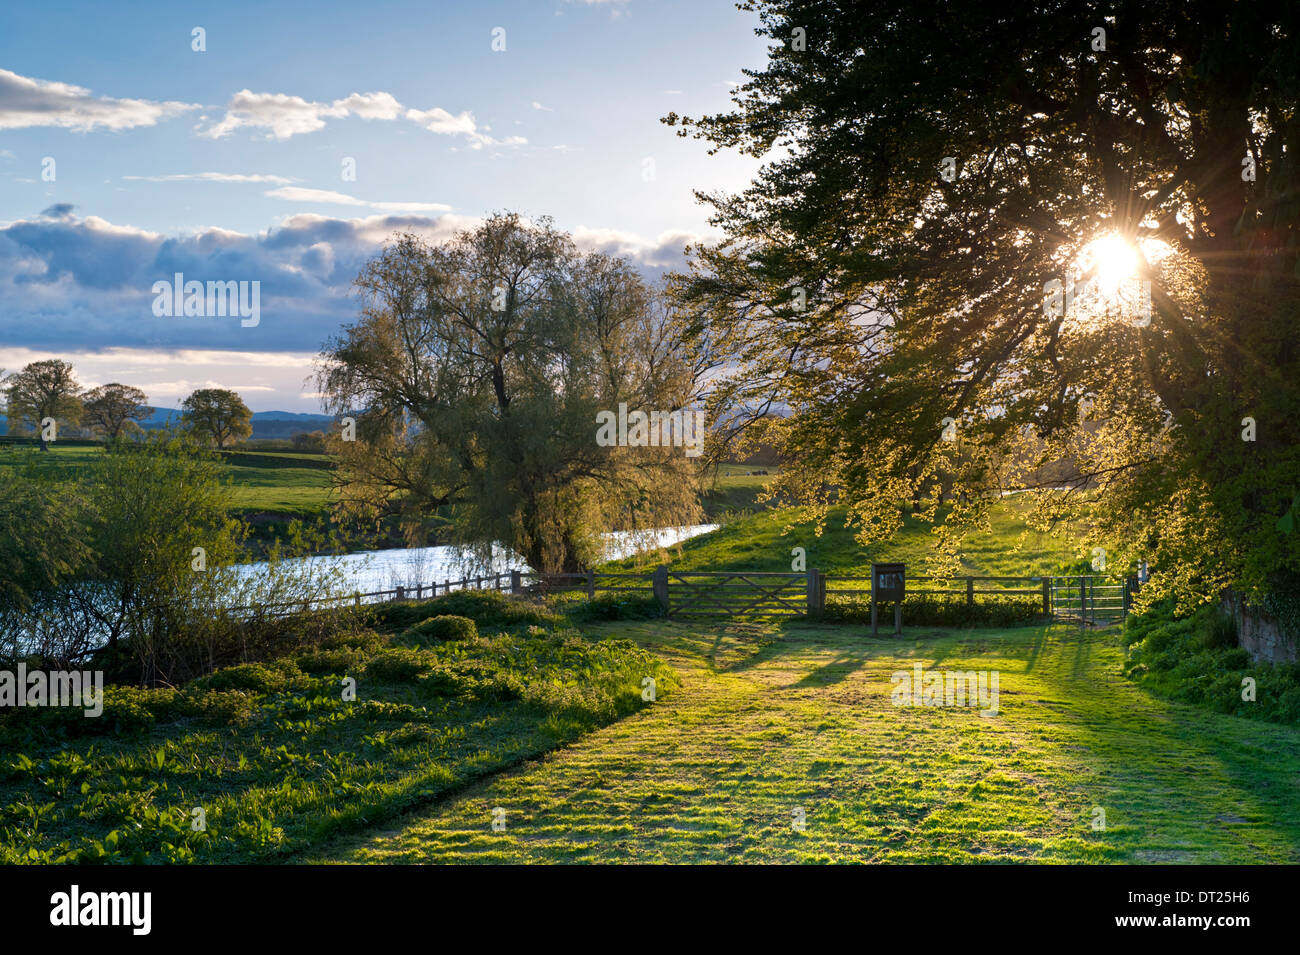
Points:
x=1047 y=596
x=591 y=584
x=401 y=593
x=357 y=597
x=1083 y=602
x=970 y=591
x=813 y=607
x=516 y=584
x=660 y=582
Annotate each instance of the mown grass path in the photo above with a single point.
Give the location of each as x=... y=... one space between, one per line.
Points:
x=772 y=720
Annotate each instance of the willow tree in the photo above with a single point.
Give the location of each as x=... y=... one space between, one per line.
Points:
x=474 y=376
x=940 y=268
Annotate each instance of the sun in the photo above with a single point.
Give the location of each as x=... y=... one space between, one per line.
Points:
x=1115 y=259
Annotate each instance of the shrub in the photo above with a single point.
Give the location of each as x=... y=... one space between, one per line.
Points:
x=439 y=629
x=613 y=606
x=400 y=665
x=1195 y=659
x=928 y=610
x=334 y=661
x=255 y=677
x=487 y=608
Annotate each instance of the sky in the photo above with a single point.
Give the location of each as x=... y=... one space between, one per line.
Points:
x=301 y=137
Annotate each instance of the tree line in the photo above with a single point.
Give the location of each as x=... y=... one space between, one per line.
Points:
x=48 y=391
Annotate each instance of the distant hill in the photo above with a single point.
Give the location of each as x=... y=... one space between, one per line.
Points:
x=266 y=424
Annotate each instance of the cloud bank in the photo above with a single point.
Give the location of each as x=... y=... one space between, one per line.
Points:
x=73 y=283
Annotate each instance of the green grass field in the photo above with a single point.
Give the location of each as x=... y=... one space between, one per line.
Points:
x=768 y=719
x=761 y=542
x=278 y=760
x=283 y=491
x=772 y=720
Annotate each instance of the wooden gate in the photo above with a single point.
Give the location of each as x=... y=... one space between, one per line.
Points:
x=749 y=594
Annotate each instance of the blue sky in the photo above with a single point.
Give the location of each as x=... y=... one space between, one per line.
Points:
x=232 y=163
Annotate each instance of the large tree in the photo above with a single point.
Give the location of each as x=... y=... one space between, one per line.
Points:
x=111 y=408
x=43 y=390
x=217 y=415
x=479 y=366
x=930 y=172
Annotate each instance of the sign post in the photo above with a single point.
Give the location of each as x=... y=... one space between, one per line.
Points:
x=888 y=584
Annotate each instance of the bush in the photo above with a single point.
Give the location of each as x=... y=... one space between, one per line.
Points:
x=440 y=629
x=487 y=608
x=939 y=611
x=332 y=662
x=1195 y=659
x=617 y=607
x=255 y=677
x=400 y=665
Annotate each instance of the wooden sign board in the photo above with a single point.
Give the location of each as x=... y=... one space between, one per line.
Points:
x=888 y=585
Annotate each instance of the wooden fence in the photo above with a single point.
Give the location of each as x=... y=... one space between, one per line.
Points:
x=695 y=595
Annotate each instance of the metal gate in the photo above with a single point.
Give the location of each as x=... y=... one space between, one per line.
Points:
x=1093 y=601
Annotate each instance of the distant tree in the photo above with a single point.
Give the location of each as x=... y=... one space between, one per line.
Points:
x=218 y=415
x=313 y=442
x=43 y=389
x=482 y=364
x=110 y=407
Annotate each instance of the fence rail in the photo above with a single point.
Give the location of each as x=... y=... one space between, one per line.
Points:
x=694 y=595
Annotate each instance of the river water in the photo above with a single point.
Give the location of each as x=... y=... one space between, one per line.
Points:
x=369 y=571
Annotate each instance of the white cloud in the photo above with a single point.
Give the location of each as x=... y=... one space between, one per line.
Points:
x=438 y=120
x=26 y=102
x=545 y=109
x=298 y=194
x=284 y=116
x=280 y=114
x=213 y=177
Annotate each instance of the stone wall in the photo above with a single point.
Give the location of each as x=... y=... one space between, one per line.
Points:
x=1259 y=633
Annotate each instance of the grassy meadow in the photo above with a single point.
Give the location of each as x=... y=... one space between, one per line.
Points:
x=771 y=719
x=766 y=741
x=763 y=540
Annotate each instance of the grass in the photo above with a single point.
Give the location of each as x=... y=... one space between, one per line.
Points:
x=282 y=491
x=761 y=542
x=734 y=491
x=301 y=492
x=773 y=719
x=279 y=760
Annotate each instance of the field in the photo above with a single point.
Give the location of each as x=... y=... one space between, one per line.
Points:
x=269 y=490
x=766 y=743
x=269 y=494
x=278 y=758
x=801 y=718
x=762 y=542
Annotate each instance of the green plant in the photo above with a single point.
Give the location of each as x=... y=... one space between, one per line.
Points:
x=439 y=629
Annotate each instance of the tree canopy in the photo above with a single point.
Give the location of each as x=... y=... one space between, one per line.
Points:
x=475 y=375
x=114 y=408
x=41 y=390
x=217 y=415
x=931 y=172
